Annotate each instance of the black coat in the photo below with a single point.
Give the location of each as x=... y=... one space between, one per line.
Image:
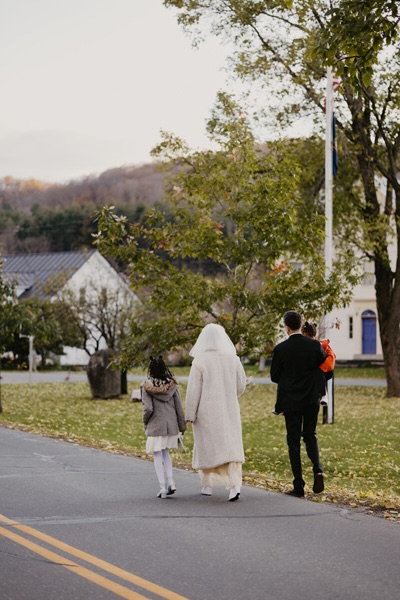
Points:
x=295 y=368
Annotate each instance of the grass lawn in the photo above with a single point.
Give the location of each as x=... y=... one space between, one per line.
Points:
x=360 y=452
x=341 y=372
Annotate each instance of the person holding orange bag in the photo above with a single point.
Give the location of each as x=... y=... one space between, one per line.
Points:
x=310 y=330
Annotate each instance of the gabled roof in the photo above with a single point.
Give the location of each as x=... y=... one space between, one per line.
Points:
x=32 y=271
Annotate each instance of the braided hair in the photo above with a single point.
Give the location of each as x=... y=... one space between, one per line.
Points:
x=309 y=329
x=158 y=371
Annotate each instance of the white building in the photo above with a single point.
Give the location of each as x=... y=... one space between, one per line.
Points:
x=354 y=330
x=86 y=272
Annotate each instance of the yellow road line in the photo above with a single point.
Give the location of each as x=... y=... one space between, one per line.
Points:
x=98 y=562
x=116 y=588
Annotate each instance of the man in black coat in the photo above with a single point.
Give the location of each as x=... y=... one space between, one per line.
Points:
x=301 y=384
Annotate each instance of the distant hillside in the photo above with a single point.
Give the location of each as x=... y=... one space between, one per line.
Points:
x=124 y=185
x=40 y=217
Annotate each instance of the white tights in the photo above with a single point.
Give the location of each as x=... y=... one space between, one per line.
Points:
x=162 y=461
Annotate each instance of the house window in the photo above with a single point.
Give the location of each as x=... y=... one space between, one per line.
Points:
x=351 y=328
x=368 y=277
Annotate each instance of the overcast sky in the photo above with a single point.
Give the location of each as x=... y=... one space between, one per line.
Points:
x=86 y=85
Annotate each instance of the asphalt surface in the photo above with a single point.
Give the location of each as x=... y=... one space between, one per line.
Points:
x=62 y=376
x=266 y=546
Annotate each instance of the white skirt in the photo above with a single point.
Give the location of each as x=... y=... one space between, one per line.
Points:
x=161 y=442
x=228 y=475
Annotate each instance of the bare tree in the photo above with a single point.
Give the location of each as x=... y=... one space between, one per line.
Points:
x=103 y=316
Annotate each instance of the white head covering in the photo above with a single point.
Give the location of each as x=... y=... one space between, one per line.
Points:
x=213 y=337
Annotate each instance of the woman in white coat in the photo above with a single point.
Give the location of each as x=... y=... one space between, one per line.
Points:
x=216 y=380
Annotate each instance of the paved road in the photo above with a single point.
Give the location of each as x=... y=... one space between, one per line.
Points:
x=82 y=524
x=61 y=376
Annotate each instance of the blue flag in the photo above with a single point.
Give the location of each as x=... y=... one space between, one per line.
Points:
x=335 y=161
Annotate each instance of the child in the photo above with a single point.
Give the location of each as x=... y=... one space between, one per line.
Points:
x=310 y=330
x=163 y=419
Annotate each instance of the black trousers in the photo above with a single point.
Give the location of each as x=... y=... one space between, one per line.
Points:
x=302 y=424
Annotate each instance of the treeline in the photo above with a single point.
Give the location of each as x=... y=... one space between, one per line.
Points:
x=39 y=217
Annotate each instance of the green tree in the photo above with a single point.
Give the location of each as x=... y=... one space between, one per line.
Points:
x=275 y=45
x=63 y=229
x=9 y=312
x=29 y=317
x=9 y=217
x=58 y=229
x=9 y=315
x=51 y=325
x=237 y=206
x=358 y=30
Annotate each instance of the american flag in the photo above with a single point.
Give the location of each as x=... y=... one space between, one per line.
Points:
x=336 y=83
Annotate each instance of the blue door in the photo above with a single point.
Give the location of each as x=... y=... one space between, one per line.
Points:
x=368 y=332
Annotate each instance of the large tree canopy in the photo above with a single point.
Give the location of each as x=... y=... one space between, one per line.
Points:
x=275 y=45
x=358 y=30
x=10 y=313
x=240 y=208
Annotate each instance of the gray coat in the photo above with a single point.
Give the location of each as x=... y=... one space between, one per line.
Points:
x=162 y=409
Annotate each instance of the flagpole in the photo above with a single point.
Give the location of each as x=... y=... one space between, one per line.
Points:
x=328 y=410
x=328 y=172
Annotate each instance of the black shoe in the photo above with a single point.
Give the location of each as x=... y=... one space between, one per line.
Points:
x=234 y=498
x=318 y=486
x=296 y=493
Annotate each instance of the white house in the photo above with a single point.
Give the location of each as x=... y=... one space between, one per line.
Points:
x=354 y=330
x=85 y=272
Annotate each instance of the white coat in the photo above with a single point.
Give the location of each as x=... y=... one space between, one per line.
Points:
x=216 y=380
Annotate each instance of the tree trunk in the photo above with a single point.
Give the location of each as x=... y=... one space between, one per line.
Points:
x=262 y=363
x=124 y=381
x=392 y=361
x=387 y=289
x=105 y=382
x=387 y=285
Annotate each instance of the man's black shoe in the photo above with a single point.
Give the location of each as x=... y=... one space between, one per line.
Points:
x=318 y=486
x=296 y=493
